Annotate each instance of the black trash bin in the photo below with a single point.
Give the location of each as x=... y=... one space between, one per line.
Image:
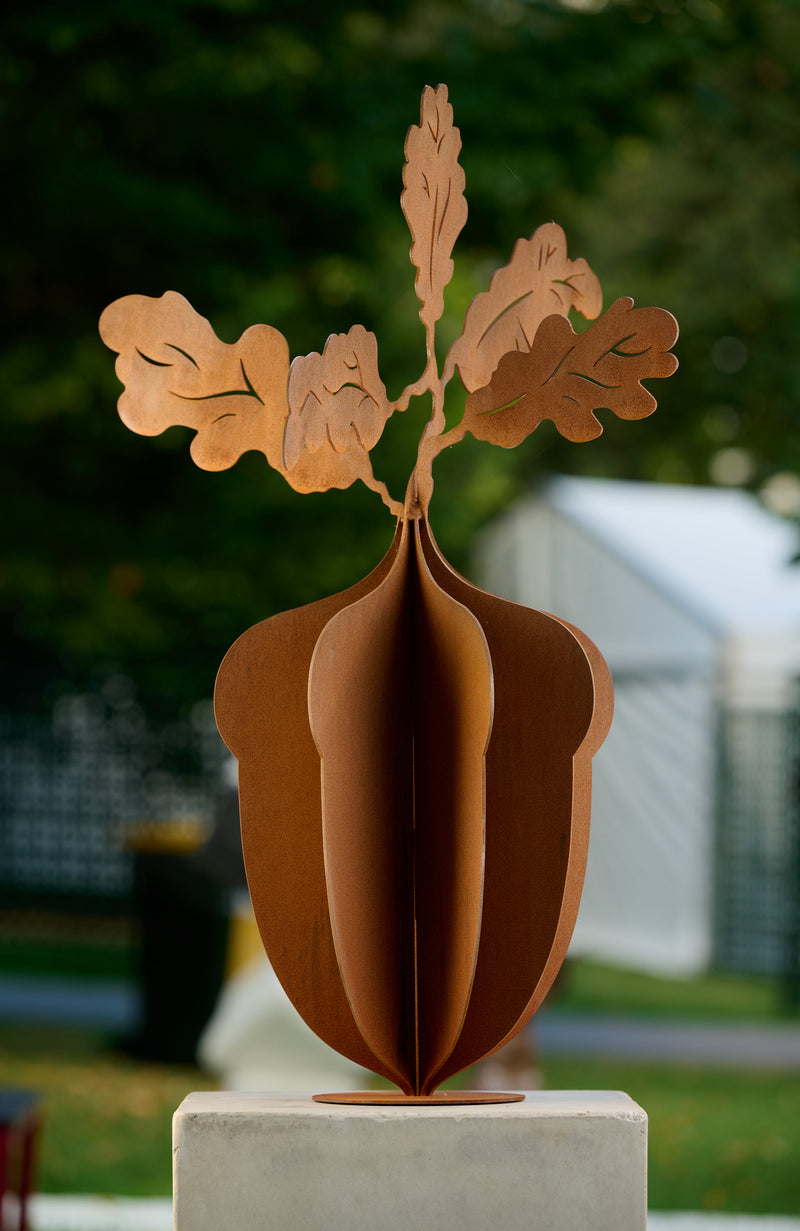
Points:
x=183 y=911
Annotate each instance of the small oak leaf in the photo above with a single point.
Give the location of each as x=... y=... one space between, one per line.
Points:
x=567 y=376
x=433 y=199
x=538 y=281
x=176 y=371
x=336 y=398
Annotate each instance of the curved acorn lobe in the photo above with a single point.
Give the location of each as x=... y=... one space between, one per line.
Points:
x=260 y=701
x=400 y=698
x=552 y=711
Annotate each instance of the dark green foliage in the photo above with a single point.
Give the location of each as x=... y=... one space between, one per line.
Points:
x=249 y=155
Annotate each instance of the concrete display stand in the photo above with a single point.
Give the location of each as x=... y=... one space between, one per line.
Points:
x=559 y=1161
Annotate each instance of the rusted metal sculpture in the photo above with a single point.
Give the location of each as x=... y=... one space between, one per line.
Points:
x=414 y=753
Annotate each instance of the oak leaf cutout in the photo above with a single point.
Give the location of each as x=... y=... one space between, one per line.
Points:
x=316 y=421
x=336 y=398
x=567 y=376
x=433 y=199
x=176 y=371
x=538 y=281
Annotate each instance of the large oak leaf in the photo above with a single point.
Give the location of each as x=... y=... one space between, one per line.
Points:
x=538 y=281
x=176 y=371
x=567 y=376
x=433 y=199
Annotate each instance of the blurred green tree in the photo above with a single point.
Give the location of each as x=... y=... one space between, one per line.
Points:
x=249 y=154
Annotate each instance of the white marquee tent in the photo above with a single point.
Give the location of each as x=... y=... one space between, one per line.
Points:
x=691 y=595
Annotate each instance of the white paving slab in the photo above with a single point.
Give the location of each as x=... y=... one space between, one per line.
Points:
x=77 y=1213
x=674 y=1220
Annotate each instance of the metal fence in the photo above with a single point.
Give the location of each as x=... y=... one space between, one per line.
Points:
x=757 y=889
x=72 y=786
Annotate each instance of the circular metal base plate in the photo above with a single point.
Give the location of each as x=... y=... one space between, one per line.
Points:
x=395 y=1098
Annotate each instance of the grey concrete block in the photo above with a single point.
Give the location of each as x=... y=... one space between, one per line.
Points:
x=559 y=1161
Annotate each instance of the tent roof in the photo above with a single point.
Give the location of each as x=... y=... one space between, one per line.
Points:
x=716 y=552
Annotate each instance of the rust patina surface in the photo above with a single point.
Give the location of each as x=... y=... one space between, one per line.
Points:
x=414 y=753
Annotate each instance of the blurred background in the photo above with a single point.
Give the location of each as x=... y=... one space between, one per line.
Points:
x=249 y=155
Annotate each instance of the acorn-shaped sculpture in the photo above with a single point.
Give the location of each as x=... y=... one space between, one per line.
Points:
x=414 y=753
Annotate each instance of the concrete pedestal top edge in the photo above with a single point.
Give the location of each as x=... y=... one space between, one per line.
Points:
x=545 y=1103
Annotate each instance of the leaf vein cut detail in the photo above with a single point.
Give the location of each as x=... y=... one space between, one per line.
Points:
x=157 y=363
x=183 y=352
x=502 y=314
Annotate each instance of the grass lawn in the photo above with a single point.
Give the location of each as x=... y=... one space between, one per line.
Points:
x=49 y=943
x=718 y=1140
x=107 y=1118
x=591 y=987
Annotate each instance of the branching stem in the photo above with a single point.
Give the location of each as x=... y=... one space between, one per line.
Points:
x=377 y=485
x=434 y=438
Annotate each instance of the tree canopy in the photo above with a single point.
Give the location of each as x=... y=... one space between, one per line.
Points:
x=249 y=155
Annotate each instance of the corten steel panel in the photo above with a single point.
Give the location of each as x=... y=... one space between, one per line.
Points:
x=553 y=707
x=262 y=711
x=359 y=703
